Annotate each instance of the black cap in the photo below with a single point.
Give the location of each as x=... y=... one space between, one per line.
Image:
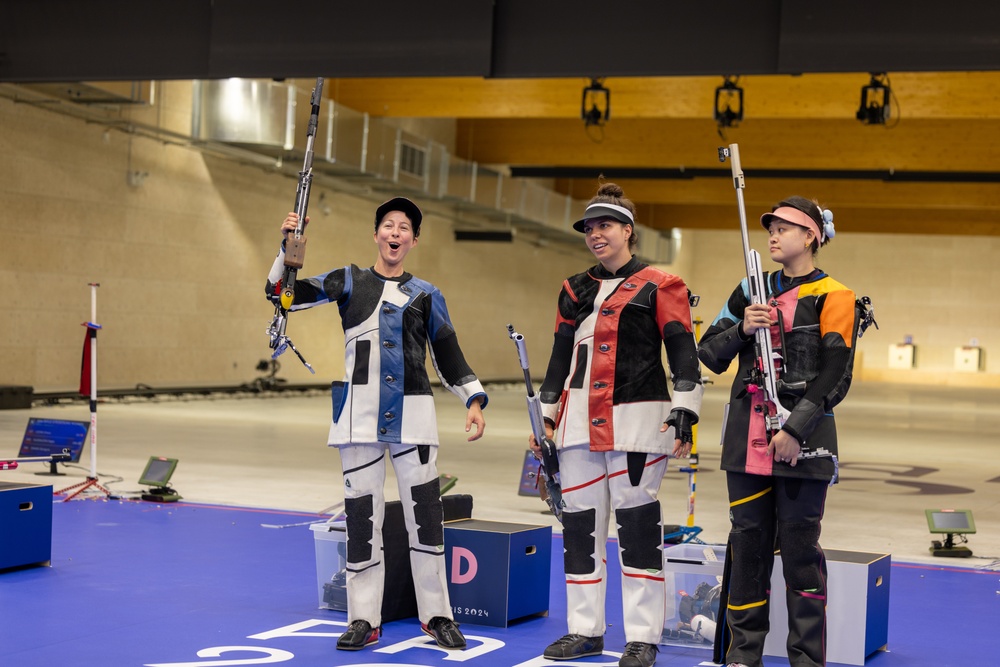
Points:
x=400 y=204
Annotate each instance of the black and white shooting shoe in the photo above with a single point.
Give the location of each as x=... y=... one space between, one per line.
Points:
x=360 y=634
x=569 y=647
x=445 y=632
x=638 y=654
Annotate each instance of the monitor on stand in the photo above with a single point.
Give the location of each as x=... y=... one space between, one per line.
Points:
x=950 y=523
x=56 y=438
x=157 y=475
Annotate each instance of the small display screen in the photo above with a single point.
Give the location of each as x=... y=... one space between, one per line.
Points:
x=47 y=437
x=158 y=471
x=950 y=521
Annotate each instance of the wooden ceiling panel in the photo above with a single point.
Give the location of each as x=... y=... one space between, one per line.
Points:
x=914 y=145
x=818 y=96
x=942 y=130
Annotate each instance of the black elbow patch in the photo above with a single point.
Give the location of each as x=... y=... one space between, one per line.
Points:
x=333 y=284
x=578 y=540
x=428 y=512
x=640 y=536
x=565 y=330
x=672 y=328
x=686 y=385
x=450 y=361
x=360 y=529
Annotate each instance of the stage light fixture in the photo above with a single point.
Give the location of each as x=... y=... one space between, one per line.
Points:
x=595 y=105
x=728 y=110
x=874 y=108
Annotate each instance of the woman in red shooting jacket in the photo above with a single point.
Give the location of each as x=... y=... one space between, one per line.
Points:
x=607 y=406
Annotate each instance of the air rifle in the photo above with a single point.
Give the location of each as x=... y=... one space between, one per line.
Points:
x=763 y=376
x=549 y=468
x=295 y=244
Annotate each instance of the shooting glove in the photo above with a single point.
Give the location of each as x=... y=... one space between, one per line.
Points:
x=682 y=420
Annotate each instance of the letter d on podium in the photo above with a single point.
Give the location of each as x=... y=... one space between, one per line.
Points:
x=515 y=561
x=459 y=554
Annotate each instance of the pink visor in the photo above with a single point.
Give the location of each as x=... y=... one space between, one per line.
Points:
x=794 y=216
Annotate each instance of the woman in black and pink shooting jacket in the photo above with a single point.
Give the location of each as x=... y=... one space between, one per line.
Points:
x=778 y=482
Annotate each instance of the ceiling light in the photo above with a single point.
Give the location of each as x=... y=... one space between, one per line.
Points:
x=728 y=103
x=595 y=106
x=874 y=109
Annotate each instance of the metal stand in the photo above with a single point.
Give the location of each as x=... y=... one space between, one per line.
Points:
x=689 y=532
x=83 y=486
x=92 y=328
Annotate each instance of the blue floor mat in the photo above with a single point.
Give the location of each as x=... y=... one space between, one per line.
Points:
x=136 y=583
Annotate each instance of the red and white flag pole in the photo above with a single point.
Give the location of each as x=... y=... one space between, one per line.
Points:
x=88 y=385
x=92 y=327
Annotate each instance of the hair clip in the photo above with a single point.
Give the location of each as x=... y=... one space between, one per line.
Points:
x=828 y=229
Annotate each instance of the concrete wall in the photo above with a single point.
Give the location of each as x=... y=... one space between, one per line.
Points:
x=940 y=290
x=182 y=247
x=181 y=259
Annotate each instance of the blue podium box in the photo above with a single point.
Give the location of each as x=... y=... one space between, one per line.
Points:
x=26 y=524
x=497 y=572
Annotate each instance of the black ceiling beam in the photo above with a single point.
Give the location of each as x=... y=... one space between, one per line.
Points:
x=591 y=38
x=688 y=173
x=72 y=40
x=100 y=40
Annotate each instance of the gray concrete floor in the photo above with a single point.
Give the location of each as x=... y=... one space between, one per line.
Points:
x=903 y=448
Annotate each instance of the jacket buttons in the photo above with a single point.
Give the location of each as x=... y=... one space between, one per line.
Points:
x=390 y=379
x=388 y=415
x=597 y=422
x=388 y=311
x=607 y=311
x=388 y=343
x=600 y=385
x=604 y=347
x=382 y=431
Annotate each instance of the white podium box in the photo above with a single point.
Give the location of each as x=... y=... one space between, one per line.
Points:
x=901 y=355
x=857 y=609
x=969 y=359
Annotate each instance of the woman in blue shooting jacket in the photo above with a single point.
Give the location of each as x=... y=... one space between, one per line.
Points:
x=383 y=409
x=778 y=485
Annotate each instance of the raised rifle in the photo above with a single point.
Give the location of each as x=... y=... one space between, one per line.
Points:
x=295 y=244
x=549 y=467
x=763 y=376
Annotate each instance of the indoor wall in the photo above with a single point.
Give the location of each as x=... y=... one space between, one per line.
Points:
x=181 y=241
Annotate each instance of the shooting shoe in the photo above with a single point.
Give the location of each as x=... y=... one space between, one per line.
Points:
x=359 y=635
x=445 y=632
x=638 y=654
x=569 y=647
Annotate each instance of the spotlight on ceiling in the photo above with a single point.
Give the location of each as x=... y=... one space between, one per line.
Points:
x=595 y=106
x=728 y=103
x=874 y=109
